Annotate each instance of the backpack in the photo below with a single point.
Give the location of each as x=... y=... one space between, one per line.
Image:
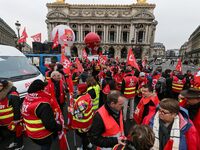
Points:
x=160 y=86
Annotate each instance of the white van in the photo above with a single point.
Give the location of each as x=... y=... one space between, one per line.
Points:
x=14 y=66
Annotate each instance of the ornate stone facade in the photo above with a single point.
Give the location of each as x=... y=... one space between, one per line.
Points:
x=119 y=26
x=7 y=34
x=193 y=47
x=158 y=50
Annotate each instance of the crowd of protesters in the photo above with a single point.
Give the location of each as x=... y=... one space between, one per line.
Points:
x=162 y=106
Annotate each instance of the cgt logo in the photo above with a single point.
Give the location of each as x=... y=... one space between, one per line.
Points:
x=27 y=84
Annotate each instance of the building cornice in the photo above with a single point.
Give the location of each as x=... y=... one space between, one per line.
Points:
x=100 y=6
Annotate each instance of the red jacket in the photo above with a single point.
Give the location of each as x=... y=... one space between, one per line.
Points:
x=187 y=130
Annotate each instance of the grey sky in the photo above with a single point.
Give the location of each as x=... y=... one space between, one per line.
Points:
x=177 y=19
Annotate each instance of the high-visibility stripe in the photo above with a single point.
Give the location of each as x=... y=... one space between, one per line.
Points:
x=6 y=110
x=179 y=85
x=195 y=87
x=83 y=120
x=87 y=114
x=34 y=129
x=176 y=88
x=133 y=92
x=131 y=88
x=33 y=121
x=7 y=116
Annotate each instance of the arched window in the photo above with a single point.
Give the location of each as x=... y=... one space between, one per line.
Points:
x=124 y=52
x=111 y=52
x=74 y=52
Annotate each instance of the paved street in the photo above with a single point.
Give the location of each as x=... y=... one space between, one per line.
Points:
x=167 y=65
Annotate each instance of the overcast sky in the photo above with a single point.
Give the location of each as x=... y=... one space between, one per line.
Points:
x=177 y=19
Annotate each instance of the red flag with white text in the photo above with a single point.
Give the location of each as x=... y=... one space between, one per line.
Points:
x=79 y=65
x=55 y=41
x=36 y=37
x=179 y=65
x=66 y=63
x=66 y=68
x=84 y=54
x=23 y=36
x=102 y=59
x=131 y=60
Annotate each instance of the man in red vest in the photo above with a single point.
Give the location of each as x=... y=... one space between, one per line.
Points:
x=129 y=90
x=107 y=128
x=38 y=115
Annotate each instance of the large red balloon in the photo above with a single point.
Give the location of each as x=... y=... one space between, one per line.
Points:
x=92 y=40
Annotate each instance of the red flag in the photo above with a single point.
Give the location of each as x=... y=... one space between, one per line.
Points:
x=36 y=37
x=84 y=54
x=179 y=65
x=79 y=65
x=66 y=68
x=103 y=59
x=66 y=64
x=23 y=36
x=55 y=41
x=131 y=60
x=63 y=144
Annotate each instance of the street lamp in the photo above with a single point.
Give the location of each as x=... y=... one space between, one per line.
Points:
x=18 y=26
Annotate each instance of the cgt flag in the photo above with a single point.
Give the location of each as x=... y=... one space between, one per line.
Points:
x=36 y=37
x=23 y=36
x=179 y=65
x=84 y=54
x=131 y=60
x=55 y=41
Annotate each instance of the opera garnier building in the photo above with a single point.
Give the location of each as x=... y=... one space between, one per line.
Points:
x=119 y=27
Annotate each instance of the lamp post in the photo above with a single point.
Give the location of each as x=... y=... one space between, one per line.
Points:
x=18 y=26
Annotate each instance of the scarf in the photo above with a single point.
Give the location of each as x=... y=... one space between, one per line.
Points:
x=174 y=134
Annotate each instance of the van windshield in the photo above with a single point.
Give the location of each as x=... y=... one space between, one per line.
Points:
x=16 y=68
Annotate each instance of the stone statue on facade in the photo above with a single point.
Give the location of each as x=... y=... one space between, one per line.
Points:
x=141 y=1
x=60 y=1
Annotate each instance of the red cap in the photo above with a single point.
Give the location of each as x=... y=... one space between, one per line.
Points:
x=82 y=87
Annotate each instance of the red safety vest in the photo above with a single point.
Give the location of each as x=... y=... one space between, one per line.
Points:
x=50 y=88
x=112 y=128
x=138 y=114
x=130 y=86
x=34 y=126
x=6 y=111
x=177 y=84
x=82 y=112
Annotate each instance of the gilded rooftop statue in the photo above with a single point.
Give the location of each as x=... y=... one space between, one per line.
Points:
x=141 y=1
x=60 y=1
